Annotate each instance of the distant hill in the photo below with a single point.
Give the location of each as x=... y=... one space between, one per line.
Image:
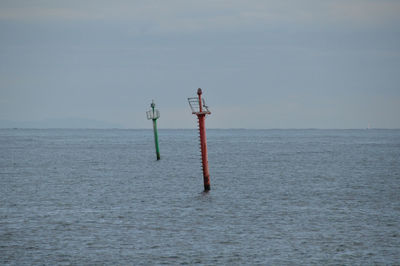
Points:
x=59 y=123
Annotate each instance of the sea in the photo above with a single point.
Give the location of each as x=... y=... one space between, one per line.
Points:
x=278 y=197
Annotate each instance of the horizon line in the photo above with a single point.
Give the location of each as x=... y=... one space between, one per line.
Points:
x=211 y=128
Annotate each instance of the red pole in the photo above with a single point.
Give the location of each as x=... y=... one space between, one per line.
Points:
x=203 y=144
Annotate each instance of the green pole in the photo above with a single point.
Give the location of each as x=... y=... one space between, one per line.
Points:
x=156 y=138
x=155 y=131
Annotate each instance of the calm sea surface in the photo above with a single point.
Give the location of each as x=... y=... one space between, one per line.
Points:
x=277 y=197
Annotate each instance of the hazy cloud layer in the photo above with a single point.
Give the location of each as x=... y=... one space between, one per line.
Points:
x=178 y=15
x=262 y=64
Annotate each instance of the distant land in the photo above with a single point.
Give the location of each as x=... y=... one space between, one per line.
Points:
x=84 y=123
x=59 y=123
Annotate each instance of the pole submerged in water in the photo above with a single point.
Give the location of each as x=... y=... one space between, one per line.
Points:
x=154 y=114
x=199 y=108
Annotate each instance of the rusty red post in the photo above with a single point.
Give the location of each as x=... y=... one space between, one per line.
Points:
x=203 y=144
x=201 y=115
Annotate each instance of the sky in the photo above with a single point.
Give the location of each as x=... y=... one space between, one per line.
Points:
x=260 y=63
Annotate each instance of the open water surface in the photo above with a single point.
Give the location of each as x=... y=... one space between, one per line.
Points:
x=85 y=197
